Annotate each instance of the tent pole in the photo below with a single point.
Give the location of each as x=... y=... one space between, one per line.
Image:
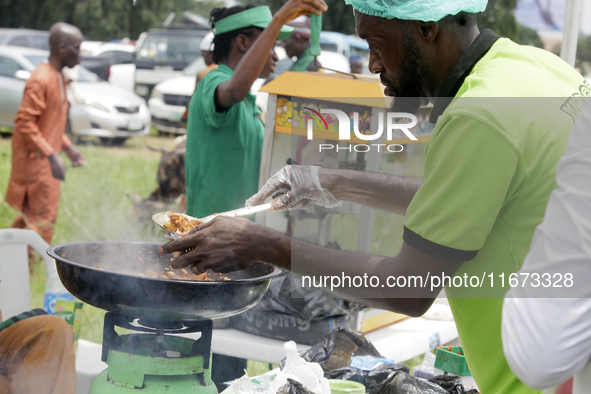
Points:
x=570 y=33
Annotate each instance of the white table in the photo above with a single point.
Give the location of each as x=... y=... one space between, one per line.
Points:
x=400 y=342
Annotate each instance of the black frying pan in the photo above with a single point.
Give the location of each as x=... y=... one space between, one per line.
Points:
x=101 y=274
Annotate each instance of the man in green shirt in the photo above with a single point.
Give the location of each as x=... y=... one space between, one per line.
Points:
x=489 y=171
x=298 y=45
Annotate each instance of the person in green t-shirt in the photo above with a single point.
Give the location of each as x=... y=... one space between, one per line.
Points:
x=298 y=45
x=225 y=131
x=489 y=170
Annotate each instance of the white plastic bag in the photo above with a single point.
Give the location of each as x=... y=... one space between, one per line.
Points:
x=310 y=375
x=241 y=386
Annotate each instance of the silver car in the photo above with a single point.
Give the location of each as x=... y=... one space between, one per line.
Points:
x=97 y=108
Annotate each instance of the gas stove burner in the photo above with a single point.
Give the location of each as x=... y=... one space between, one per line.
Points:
x=151 y=361
x=168 y=326
x=112 y=340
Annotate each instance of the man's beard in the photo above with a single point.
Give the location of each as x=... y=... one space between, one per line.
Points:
x=409 y=97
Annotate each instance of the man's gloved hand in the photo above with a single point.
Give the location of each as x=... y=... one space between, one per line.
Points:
x=295 y=187
x=75 y=156
x=58 y=167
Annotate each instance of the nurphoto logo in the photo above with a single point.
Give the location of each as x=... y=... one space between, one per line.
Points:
x=344 y=127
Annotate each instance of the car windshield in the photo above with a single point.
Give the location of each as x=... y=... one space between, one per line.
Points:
x=2 y=37
x=169 y=48
x=35 y=59
x=196 y=66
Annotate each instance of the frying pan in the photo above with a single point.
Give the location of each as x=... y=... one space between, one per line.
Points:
x=107 y=275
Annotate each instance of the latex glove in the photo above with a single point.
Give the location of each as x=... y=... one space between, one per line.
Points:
x=58 y=167
x=295 y=187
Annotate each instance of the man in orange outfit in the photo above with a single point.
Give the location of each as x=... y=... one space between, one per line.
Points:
x=39 y=136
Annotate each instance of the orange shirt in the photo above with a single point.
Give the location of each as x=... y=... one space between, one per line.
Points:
x=40 y=123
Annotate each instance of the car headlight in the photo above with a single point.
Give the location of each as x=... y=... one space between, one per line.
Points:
x=97 y=105
x=93 y=104
x=142 y=90
x=156 y=94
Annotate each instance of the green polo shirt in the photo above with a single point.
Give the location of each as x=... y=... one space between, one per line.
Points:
x=305 y=62
x=223 y=149
x=489 y=171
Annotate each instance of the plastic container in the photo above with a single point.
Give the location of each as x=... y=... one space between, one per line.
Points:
x=451 y=360
x=426 y=369
x=71 y=312
x=54 y=291
x=339 y=386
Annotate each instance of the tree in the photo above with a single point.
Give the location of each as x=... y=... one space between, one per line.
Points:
x=500 y=18
x=98 y=19
x=339 y=17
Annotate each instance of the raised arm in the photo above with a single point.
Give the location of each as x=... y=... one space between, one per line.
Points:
x=252 y=63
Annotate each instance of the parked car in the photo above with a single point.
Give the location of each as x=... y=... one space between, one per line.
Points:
x=97 y=108
x=163 y=54
x=25 y=38
x=115 y=52
x=346 y=45
x=103 y=59
x=170 y=98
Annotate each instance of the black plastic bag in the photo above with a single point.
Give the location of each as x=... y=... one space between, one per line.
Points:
x=402 y=383
x=451 y=384
x=293 y=387
x=289 y=311
x=338 y=348
x=369 y=379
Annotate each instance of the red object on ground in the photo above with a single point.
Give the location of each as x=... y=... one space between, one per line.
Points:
x=565 y=388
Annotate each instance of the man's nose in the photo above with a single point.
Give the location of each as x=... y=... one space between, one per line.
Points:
x=375 y=65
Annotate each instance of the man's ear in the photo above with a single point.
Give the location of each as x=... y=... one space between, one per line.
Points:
x=243 y=42
x=427 y=30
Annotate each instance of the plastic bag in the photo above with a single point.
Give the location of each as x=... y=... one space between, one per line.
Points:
x=293 y=387
x=240 y=386
x=310 y=375
x=426 y=369
x=451 y=384
x=338 y=348
x=402 y=383
x=368 y=363
x=369 y=379
x=289 y=311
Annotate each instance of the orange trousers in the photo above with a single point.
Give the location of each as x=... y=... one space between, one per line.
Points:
x=37 y=356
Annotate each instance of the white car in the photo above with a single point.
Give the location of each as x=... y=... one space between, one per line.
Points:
x=97 y=108
x=171 y=97
x=122 y=70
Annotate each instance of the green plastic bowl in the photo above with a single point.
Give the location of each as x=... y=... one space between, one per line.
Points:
x=339 y=386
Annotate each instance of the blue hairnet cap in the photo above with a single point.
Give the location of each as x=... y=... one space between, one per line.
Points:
x=417 y=10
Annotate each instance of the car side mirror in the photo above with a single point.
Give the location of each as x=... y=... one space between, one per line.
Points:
x=23 y=75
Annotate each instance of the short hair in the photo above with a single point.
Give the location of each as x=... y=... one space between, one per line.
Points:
x=222 y=43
